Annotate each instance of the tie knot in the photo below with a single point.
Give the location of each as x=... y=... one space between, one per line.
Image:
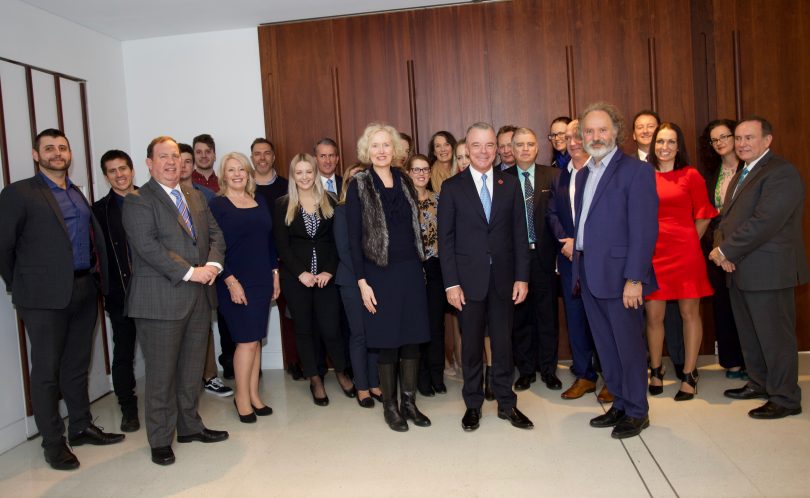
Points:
x=176 y=193
x=525 y=174
x=484 y=177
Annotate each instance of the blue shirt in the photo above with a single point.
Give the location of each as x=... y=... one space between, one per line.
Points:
x=205 y=191
x=597 y=169
x=523 y=181
x=76 y=214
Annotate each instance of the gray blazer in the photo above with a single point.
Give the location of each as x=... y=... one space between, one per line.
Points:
x=163 y=249
x=761 y=229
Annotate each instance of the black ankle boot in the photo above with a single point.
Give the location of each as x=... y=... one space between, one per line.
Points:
x=408 y=373
x=388 y=386
x=488 y=394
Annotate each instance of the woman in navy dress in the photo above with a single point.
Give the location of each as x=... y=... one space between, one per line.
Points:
x=249 y=280
x=387 y=253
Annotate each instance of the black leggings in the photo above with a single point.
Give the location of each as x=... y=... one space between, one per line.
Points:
x=391 y=355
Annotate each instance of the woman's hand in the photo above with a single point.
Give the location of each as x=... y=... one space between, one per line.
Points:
x=322 y=279
x=307 y=279
x=236 y=290
x=276 y=286
x=367 y=293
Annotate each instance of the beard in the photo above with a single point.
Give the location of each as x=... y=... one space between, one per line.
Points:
x=605 y=146
x=46 y=164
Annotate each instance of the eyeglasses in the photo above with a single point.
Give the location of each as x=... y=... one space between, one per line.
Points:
x=557 y=136
x=721 y=138
x=420 y=171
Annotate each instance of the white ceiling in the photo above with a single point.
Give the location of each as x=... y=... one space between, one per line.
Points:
x=136 y=19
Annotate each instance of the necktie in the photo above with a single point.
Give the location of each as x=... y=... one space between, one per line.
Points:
x=529 y=198
x=740 y=180
x=330 y=186
x=183 y=209
x=486 y=200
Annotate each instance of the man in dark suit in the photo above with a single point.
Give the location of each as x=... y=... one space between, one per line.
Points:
x=177 y=253
x=118 y=170
x=616 y=229
x=327 y=157
x=535 y=334
x=50 y=262
x=485 y=265
x=759 y=243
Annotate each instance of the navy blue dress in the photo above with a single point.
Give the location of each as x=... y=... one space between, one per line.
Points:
x=250 y=256
x=399 y=288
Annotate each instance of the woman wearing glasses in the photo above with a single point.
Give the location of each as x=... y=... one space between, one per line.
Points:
x=720 y=163
x=556 y=135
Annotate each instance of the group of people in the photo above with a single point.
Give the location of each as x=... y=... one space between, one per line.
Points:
x=405 y=254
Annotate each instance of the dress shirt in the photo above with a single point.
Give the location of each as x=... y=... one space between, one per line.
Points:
x=643 y=155
x=324 y=179
x=572 y=189
x=595 y=174
x=523 y=180
x=476 y=176
x=76 y=214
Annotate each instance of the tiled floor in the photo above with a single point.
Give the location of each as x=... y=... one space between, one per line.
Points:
x=705 y=447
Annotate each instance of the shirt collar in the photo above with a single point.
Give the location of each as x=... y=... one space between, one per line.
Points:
x=50 y=183
x=753 y=163
x=530 y=170
x=479 y=175
x=591 y=164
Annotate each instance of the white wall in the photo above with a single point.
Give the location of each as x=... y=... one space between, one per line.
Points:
x=35 y=37
x=186 y=85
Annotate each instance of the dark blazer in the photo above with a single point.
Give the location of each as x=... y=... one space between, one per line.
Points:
x=761 y=229
x=558 y=216
x=119 y=265
x=345 y=271
x=163 y=249
x=546 y=244
x=467 y=243
x=36 y=256
x=295 y=246
x=621 y=228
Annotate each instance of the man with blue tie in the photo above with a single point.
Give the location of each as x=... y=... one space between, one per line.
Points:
x=327 y=158
x=484 y=257
x=616 y=229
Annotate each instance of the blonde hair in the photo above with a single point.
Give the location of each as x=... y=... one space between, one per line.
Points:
x=348 y=176
x=321 y=197
x=243 y=161
x=372 y=128
x=454 y=168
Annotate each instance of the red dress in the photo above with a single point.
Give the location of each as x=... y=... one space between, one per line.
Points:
x=680 y=268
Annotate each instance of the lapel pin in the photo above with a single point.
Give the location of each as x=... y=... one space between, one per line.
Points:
x=500 y=182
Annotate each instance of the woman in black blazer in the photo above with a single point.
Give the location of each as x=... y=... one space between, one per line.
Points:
x=302 y=222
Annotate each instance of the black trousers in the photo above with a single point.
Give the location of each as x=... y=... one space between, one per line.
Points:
x=225 y=343
x=61 y=345
x=311 y=307
x=431 y=364
x=729 y=351
x=535 y=335
x=123 y=363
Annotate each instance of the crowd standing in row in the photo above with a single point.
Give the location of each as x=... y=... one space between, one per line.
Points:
x=386 y=269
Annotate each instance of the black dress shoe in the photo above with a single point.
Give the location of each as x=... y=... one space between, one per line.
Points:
x=61 y=458
x=427 y=392
x=250 y=418
x=470 y=420
x=516 y=418
x=130 y=423
x=94 y=435
x=629 y=427
x=263 y=411
x=365 y=402
x=771 y=410
x=609 y=419
x=744 y=392
x=318 y=401
x=349 y=393
x=163 y=455
x=440 y=388
x=524 y=382
x=552 y=382
x=206 y=436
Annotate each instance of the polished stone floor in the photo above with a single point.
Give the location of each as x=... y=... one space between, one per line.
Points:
x=704 y=447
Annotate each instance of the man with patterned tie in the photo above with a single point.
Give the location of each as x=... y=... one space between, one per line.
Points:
x=759 y=243
x=484 y=256
x=327 y=157
x=535 y=333
x=177 y=253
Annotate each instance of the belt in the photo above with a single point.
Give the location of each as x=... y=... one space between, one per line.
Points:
x=81 y=273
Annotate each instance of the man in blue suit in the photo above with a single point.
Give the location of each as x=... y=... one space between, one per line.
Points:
x=616 y=228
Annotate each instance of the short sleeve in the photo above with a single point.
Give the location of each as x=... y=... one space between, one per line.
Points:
x=702 y=209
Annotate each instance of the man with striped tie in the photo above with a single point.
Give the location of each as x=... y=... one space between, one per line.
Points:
x=177 y=253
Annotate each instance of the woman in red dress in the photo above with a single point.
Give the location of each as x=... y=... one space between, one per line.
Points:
x=684 y=213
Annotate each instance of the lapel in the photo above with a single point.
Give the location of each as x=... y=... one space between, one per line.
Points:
x=755 y=172
x=498 y=193
x=580 y=180
x=45 y=190
x=606 y=176
x=164 y=199
x=468 y=187
x=564 y=192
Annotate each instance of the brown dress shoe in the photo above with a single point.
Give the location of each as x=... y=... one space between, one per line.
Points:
x=604 y=395
x=579 y=388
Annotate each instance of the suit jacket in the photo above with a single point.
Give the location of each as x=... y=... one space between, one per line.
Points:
x=163 y=250
x=467 y=243
x=345 y=271
x=119 y=264
x=36 y=256
x=546 y=244
x=558 y=216
x=761 y=229
x=621 y=228
x=295 y=246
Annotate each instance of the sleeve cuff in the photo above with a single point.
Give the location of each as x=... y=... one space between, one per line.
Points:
x=188 y=274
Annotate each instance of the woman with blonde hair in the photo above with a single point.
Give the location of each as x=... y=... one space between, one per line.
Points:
x=306 y=246
x=387 y=253
x=249 y=279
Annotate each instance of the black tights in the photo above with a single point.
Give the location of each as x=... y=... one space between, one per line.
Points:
x=392 y=355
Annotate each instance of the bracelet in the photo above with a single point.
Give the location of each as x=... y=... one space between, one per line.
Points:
x=275 y=271
x=233 y=283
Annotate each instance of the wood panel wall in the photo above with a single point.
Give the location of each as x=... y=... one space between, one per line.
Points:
x=525 y=62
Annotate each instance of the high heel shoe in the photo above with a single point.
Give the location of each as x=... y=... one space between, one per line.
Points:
x=318 y=401
x=656 y=373
x=365 y=402
x=351 y=392
x=263 y=411
x=377 y=397
x=245 y=419
x=690 y=378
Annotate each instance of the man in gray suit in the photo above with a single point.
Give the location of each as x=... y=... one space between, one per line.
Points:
x=177 y=253
x=759 y=243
